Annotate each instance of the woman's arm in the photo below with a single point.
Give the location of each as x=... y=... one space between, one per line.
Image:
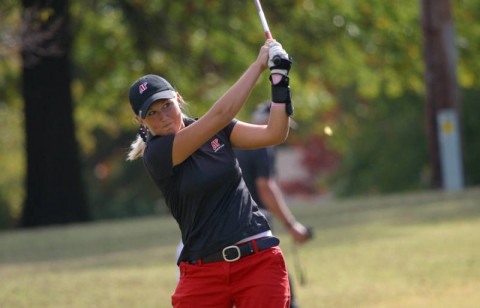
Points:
x=251 y=136
x=189 y=139
x=247 y=136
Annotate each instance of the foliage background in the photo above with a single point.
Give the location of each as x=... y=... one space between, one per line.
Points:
x=358 y=71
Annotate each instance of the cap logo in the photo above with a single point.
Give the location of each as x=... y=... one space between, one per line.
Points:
x=142 y=87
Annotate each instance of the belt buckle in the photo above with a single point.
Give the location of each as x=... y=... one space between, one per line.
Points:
x=225 y=251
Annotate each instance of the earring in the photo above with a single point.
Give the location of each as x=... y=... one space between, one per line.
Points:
x=143 y=132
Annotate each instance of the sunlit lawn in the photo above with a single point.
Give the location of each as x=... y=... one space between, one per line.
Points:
x=415 y=250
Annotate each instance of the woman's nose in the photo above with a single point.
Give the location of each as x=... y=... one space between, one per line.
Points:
x=160 y=115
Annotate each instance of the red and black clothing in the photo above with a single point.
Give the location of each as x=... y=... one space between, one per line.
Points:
x=205 y=194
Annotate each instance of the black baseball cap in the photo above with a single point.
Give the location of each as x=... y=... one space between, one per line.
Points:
x=146 y=90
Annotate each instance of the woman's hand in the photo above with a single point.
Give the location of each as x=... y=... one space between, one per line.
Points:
x=263 y=55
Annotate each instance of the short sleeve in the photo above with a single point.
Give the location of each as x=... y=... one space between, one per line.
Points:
x=157 y=157
x=228 y=129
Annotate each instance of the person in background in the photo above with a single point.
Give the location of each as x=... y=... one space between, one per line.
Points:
x=230 y=256
x=258 y=171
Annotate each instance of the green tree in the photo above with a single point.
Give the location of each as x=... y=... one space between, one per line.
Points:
x=358 y=71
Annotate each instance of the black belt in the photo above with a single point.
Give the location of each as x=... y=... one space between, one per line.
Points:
x=235 y=252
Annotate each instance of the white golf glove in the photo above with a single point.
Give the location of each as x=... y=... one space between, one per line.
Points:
x=278 y=61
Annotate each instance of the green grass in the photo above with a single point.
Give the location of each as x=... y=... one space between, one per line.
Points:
x=414 y=250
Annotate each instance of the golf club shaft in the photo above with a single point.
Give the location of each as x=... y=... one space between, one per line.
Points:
x=263 y=19
x=298 y=266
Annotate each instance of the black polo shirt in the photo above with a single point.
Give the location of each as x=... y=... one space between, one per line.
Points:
x=205 y=194
x=256 y=164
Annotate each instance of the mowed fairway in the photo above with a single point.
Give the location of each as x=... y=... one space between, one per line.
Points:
x=411 y=250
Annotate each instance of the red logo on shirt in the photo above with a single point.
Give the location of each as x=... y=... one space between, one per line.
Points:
x=216 y=145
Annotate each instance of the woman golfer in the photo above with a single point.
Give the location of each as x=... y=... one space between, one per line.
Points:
x=230 y=257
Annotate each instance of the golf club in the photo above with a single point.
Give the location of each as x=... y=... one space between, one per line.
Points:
x=263 y=19
x=268 y=34
x=296 y=260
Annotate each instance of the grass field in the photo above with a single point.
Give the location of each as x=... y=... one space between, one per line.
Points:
x=413 y=250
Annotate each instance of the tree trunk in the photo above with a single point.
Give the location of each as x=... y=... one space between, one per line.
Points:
x=55 y=191
x=440 y=73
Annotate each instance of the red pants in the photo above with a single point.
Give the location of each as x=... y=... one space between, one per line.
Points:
x=257 y=280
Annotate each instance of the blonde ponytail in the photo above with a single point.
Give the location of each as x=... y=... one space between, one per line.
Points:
x=136 y=148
